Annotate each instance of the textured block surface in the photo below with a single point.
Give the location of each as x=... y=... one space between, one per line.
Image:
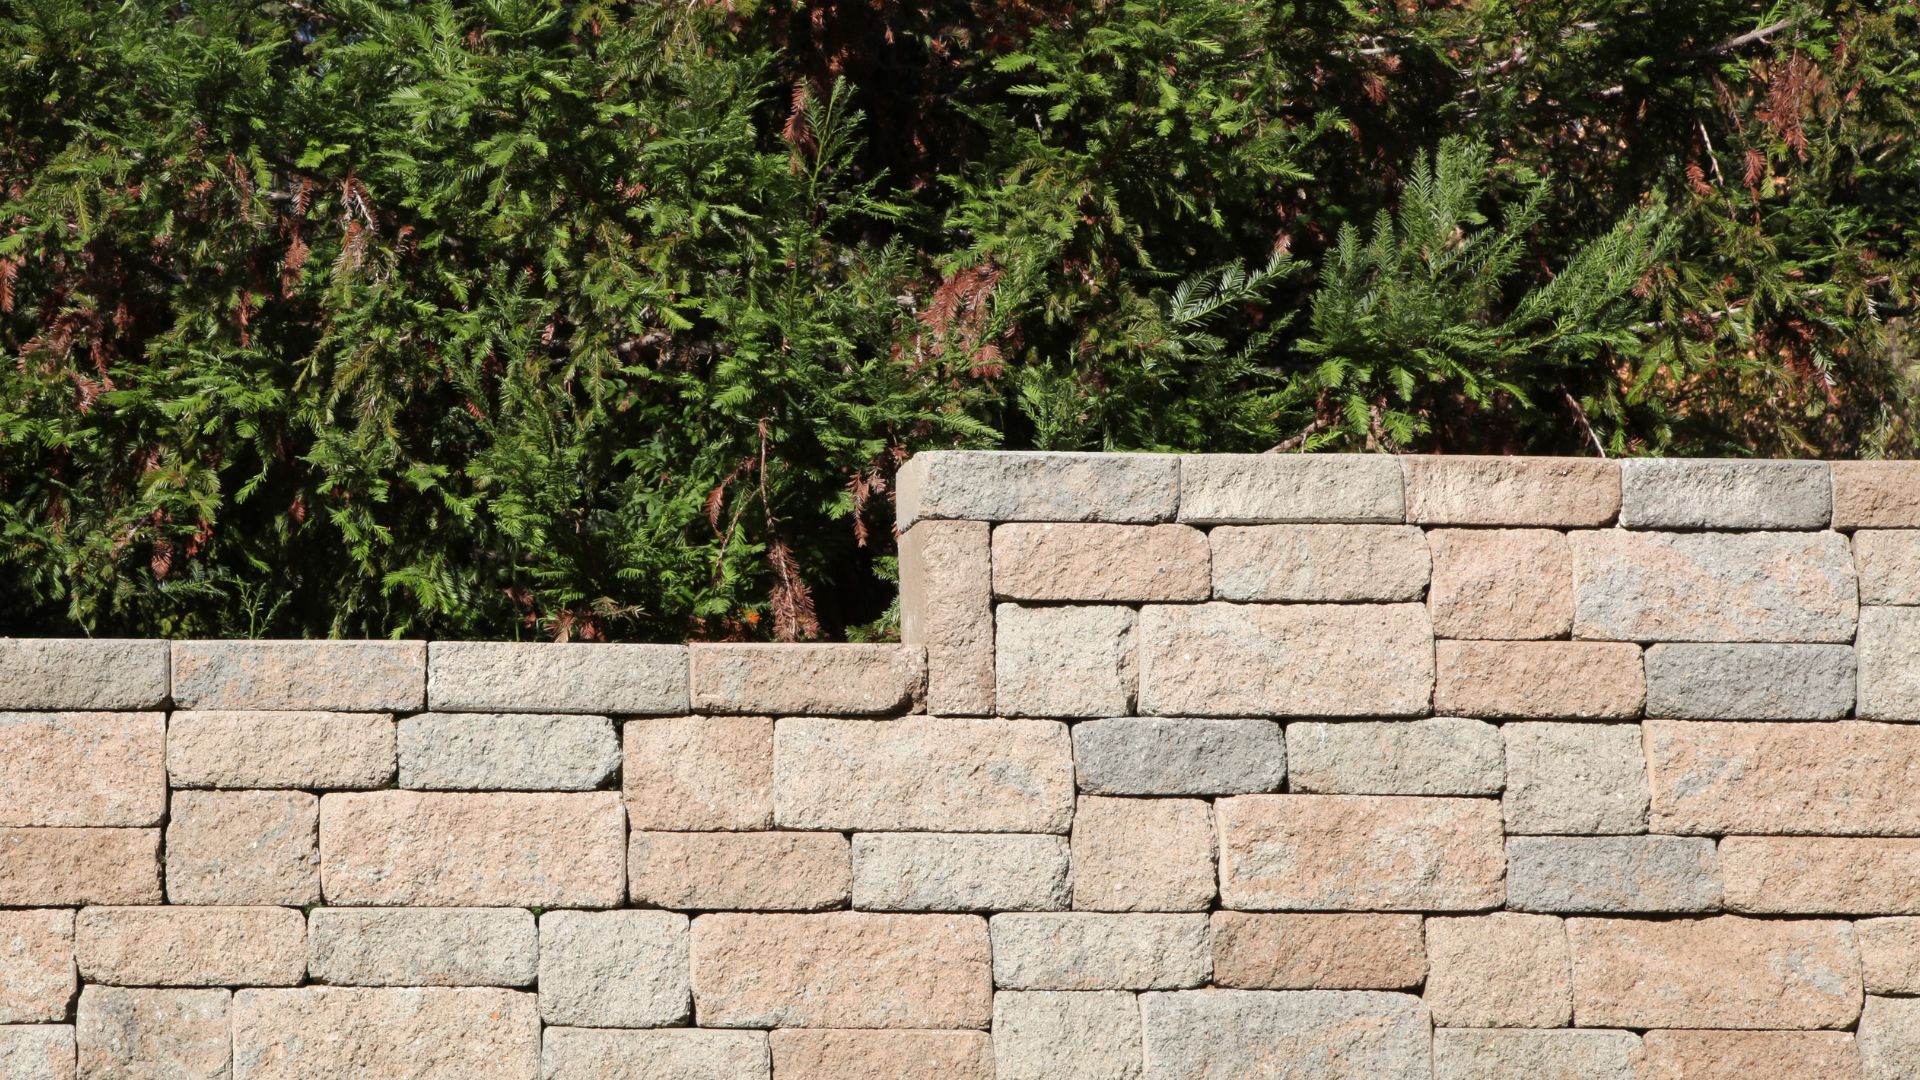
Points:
x=1724 y=972
x=507 y=752
x=81 y=769
x=1165 y=755
x=1555 y=492
x=82 y=673
x=946 y=607
x=1841 y=779
x=1092 y=951
x=1100 y=563
x=422 y=946
x=1251 y=489
x=1494 y=584
x=313 y=750
x=1674 y=493
x=977 y=486
x=1354 y=852
x=1750 y=682
x=328 y=1031
x=1441 y=756
x=339 y=676
x=517 y=676
x=1318 y=952
x=820 y=680
x=960 y=872
x=1319 y=563
x=191 y=946
x=1763 y=586
x=1064 y=661
x=1235 y=1034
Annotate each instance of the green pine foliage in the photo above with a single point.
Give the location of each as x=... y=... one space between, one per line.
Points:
x=590 y=320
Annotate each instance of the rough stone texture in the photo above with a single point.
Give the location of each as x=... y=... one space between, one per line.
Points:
x=1581 y=874
x=739 y=871
x=1750 y=1055
x=1888 y=562
x=82 y=673
x=1890 y=955
x=36 y=966
x=338 y=676
x=1554 y=492
x=153 y=1034
x=917 y=774
x=1343 y=852
x=81 y=769
x=1003 y=486
x=1163 y=755
x=1889 y=679
x=946 y=607
x=960 y=872
x=1285 y=660
x=314 y=750
x=882 y=1055
x=1750 y=682
x=434 y=1033
x=842 y=970
x=1889 y=1039
x=1575 y=778
x=1318 y=952
x=1064 y=661
x=36 y=1052
x=1722 y=972
x=41 y=867
x=698 y=772
x=808 y=680
x=1441 y=756
x=550 y=677
x=684 y=1054
x=507 y=752
x=1319 y=563
x=1766 y=586
x=1042 y=1035
x=243 y=847
x=1500 y=970
x=1495 y=584
x=1695 y=493
x=492 y=850
x=1545 y=680
x=1841 y=779
x=1470 y=1054
x=1142 y=855
x=1821 y=875
x=422 y=946
x=191 y=946
x=614 y=968
x=1876 y=494
x=1100 y=563
x=1253 y=489
x=1285 y=1035
x=1088 y=951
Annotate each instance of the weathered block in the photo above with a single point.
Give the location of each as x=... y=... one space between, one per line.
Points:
x=1253 y=489
x=614 y=968
x=699 y=772
x=800 y=1054
x=1750 y=1055
x=1494 y=584
x=1840 y=779
x=46 y=867
x=191 y=946
x=1750 y=681
x=152 y=1033
x=1159 y=755
x=1890 y=954
x=485 y=850
x=314 y=750
x=1766 y=586
x=1319 y=563
x=1064 y=661
x=923 y=774
x=37 y=1052
x=1142 y=855
x=1876 y=494
x=1483 y=1054
x=1345 y=852
x=1549 y=680
x=1500 y=970
x=1088 y=951
x=1889 y=1040
x=1579 y=874
x=1554 y=492
x=243 y=847
x=1285 y=660
x=1100 y=563
x=739 y=871
x=672 y=1054
x=960 y=872
x=808 y=680
x=422 y=946
x=946 y=607
x=1041 y=1035
x=1888 y=562
x=1821 y=875
x=1318 y=952
x=36 y=966
x=1722 y=972
x=507 y=752
x=337 y=676
x=557 y=677
x=1698 y=493
x=1575 y=778
x=82 y=673
x=82 y=769
x=842 y=970
x=1240 y=1034
x=339 y=1031
x=1027 y=486
x=1441 y=756
x=1889 y=679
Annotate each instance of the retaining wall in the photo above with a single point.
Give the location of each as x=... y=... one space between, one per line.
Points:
x=1201 y=768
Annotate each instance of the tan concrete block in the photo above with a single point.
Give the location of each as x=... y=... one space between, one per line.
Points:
x=191 y=946
x=669 y=1054
x=1535 y=1054
x=1494 y=584
x=1042 y=1035
x=1750 y=1055
x=557 y=677
x=882 y=1055
x=1587 y=874
x=1730 y=493
x=1346 y=852
x=313 y=750
x=1240 y=1034
x=79 y=866
x=507 y=751
x=1888 y=562
x=1318 y=952
x=808 y=680
x=1084 y=950
x=1100 y=563
x=36 y=966
x=82 y=769
x=1889 y=1038
x=82 y=673
x=740 y=871
x=1839 y=779
x=1745 y=681
x=614 y=968
x=1574 y=778
x=321 y=1032
x=960 y=872
x=1876 y=494
x=338 y=676
x=1142 y=855
x=37 y=1052
x=1064 y=661
x=1889 y=679
x=1500 y=970
x=1548 y=680
x=243 y=847
x=423 y=946
x=1319 y=563
x=1890 y=954
x=1707 y=586
x=1179 y=755
x=153 y=1034
x=1821 y=875
x=1446 y=755
x=1252 y=489
x=946 y=606
x=1467 y=490
x=998 y=485
x=699 y=772
x=1723 y=972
